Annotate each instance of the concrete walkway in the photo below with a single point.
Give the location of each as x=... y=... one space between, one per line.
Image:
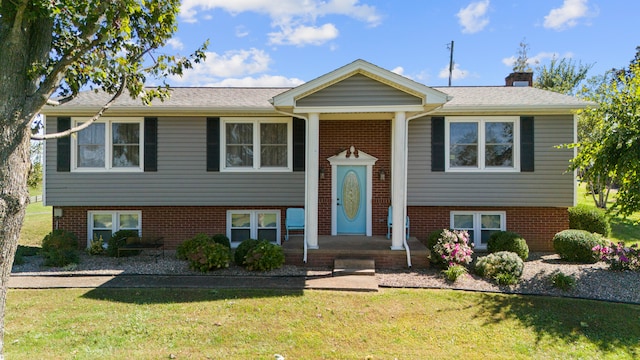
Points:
x=338 y=283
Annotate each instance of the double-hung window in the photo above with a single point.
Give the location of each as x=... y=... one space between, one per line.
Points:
x=482 y=143
x=479 y=225
x=253 y=224
x=256 y=144
x=110 y=144
x=102 y=224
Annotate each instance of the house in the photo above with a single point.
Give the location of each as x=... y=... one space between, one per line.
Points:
x=344 y=146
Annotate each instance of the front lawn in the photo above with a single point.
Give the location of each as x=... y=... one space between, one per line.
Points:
x=256 y=324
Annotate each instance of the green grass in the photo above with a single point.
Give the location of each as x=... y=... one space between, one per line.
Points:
x=256 y=324
x=37 y=223
x=626 y=230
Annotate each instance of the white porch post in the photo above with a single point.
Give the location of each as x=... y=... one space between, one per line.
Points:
x=399 y=180
x=311 y=191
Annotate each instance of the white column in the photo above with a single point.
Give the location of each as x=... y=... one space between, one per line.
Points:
x=399 y=180
x=311 y=191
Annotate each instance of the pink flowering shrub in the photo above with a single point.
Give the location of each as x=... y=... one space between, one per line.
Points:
x=619 y=257
x=453 y=248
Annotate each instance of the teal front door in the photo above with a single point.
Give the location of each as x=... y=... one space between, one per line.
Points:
x=351 y=200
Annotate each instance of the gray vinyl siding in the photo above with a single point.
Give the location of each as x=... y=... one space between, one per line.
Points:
x=181 y=179
x=359 y=90
x=548 y=186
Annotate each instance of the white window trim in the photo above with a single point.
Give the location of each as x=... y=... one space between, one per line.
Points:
x=477 y=224
x=115 y=225
x=481 y=120
x=256 y=121
x=254 y=223
x=108 y=164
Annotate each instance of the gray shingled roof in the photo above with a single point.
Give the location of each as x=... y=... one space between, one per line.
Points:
x=257 y=99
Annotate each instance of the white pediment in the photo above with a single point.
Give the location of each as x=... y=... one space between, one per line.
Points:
x=352 y=156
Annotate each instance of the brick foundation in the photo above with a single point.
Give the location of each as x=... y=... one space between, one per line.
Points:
x=176 y=224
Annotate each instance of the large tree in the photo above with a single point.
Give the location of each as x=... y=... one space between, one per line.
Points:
x=561 y=75
x=611 y=150
x=56 y=48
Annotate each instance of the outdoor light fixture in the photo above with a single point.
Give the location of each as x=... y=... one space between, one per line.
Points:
x=321 y=173
x=383 y=175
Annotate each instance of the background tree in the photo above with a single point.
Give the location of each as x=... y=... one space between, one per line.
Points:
x=521 y=64
x=611 y=149
x=563 y=76
x=61 y=47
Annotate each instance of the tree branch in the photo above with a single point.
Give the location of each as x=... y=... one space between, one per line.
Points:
x=85 y=124
x=64 y=100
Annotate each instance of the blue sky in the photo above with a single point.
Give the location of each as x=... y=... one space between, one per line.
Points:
x=288 y=42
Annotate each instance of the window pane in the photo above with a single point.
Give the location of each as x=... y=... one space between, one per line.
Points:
x=106 y=235
x=267 y=234
x=273 y=145
x=239 y=235
x=240 y=220
x=267 y=220
x=129 y=221
x=239 y=138
x=463 y=222
x=491 y=222
x=91 y=146
x=486 y=234
x=463 y=144
x=102 y=221
x=499 y=144
x=126 y=144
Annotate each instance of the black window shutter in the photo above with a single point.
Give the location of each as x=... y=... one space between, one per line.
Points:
x=150 y=144
x=213 y=144
x=437 y=144
x=298 y=144
x=64 y=146
x=527 y=148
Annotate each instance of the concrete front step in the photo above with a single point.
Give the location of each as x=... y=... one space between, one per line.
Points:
x=351 y=266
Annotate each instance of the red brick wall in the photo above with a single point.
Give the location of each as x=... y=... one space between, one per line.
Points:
x=372 y=137
x=537 y=225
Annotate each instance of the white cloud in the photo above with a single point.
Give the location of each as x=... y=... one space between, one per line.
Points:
x=537 y=59
x=456 y=74
x=241 y=31
x=398 y=70
x=473 y=17
x=303 y=35
x=175 y=43
x=262 y=81
x=231 y=64
x=566 y=16
x=293 y=19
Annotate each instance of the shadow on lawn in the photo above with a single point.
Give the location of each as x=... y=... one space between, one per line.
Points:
x=625 y=229
x=611 y=327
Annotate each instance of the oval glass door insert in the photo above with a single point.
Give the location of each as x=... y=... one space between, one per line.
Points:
x=351 y=195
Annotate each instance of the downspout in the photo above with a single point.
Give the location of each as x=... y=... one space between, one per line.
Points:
x=304 y=240
x=405 y=243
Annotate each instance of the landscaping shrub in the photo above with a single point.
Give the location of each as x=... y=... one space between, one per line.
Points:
x=562 y=281
x=189 y=246
x=222 y=239
x=60 y=248
x=264 y=256
x=118 y=239
x=452 y=248
x=508 y=241
x=504 y=267
x=209 y=256
x=577 y=245
x=453 y=272
x=619 y=257
x=589 y=219
x=97 y=247
x=243 y=249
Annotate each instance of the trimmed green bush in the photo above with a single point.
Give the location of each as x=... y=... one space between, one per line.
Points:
x=221 y=239
x=243 y=249
x=189 y=246
x=504 y=267
x=97 y=247
x=118 y=239
x=209 y=256
x=265 y=256
x=60 y=248
x=589 y=219
x=577 y=245
x=508 y=241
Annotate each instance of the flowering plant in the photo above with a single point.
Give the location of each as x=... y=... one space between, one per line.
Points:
x=453 y=247
x=619 y=257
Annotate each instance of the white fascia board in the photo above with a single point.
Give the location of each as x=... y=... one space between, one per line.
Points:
x=358 y=109
x=542 y=109
x=158 y=111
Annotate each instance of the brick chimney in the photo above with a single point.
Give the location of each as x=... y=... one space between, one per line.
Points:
x=519 y=79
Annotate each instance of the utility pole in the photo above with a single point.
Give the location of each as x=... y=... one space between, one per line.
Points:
x=450 y=61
